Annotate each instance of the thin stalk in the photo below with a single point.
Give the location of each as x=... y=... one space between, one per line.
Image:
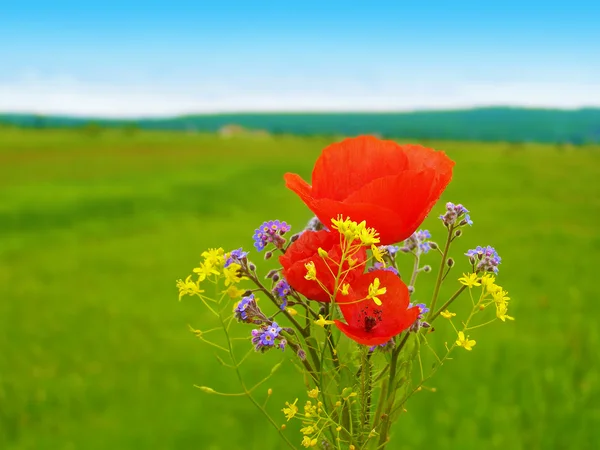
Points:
x=438 y=283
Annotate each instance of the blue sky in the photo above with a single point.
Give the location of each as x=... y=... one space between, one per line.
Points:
x=118 y=58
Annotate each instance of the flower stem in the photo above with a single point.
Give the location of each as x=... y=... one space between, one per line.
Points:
x=447 y=304
x=438 y=283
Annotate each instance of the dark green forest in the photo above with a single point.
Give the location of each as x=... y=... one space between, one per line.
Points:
x=481 y=124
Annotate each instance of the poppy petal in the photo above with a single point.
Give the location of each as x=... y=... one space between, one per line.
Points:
x=345 y=166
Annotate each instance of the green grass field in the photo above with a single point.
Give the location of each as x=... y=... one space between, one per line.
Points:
x=95 y=351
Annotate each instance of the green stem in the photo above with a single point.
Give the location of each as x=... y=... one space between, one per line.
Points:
x=447 y=304
x=391 y=392
x=438 y=283
x=246 y=391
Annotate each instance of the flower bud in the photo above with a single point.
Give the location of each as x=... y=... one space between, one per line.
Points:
x=271 y=273
x=411 y=289
x=433 y=246
x=457 y=233
x=322 y=310
x=207 y=389
x=269 y=391
x=252 y=267
x=283 y=426
x=295 y=237
x=275 y=278
x=426 y=268
x=268 y=254
x=301 y=354
x=247 y=293
x=450 y=262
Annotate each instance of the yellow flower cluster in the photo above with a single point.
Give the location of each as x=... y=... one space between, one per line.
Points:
x=353 y=231
x=314 y=419
x=499 y=296
x=212 y=268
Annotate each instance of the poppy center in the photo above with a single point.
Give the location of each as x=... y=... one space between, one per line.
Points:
x=369 y=319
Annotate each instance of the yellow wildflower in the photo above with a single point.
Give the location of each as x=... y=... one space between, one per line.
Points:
x=488 y=279
x=310 y=410
x=214 y=256
x=308 y=442
x=501 y=310
x=500 y=296
x=322 y=321
x=345 y=289
x=322 y=253
x=493 y=288
x=308 y=430
x=234 y=292
x=378 y=254
x=447 y=314
x=291 y=410
x=232 y=274
x=311 y=271
x=188 y=287
x=375 y=290
x=205 y=270
x=314 y=393
x=292 y=311
x=469 y=280
x=368 y=236
x=464 y=342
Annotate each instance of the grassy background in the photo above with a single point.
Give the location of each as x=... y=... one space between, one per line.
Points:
x=95 y=352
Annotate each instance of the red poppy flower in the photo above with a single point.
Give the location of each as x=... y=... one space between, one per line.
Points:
x=369 y=324
x=304 y=250
x=390 y=186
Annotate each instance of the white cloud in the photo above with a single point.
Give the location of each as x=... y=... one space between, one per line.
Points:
x=68 y=96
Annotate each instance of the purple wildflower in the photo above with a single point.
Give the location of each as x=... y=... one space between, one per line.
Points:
x=380 y=266
x=487 y=256
x=417 y=242
x=270 y=232
x=454 y=213
x=246 y=309
x=282 y=289
x=419 y=323
x=268 y=336
x=236 y=256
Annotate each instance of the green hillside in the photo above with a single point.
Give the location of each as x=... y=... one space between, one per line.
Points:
x=484 y=124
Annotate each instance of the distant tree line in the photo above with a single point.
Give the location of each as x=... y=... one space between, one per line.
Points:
x=481 y=124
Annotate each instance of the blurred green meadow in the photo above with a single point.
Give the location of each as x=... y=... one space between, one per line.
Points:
x=95 y=350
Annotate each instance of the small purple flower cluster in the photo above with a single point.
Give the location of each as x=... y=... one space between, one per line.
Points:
x=419 y=323
x=236 y=256
x=314 y=224
x=454 y=213
x=417 y=242
x=267 y=337
x=391 y=250
x=383 y=347
x=247 y=310
x=270 y=232
x=380 y=266
x=487 y=256
x=282 y=289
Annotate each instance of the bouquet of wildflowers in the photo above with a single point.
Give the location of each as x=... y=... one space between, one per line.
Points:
x=337 y=305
